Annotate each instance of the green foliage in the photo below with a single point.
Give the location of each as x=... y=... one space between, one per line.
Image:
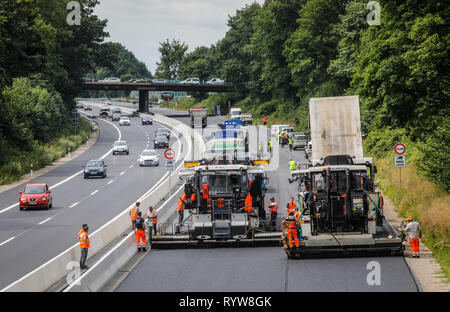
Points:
x=199 y=63
x=172 y=54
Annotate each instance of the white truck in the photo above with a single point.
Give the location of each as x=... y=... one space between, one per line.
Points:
x=199 y=117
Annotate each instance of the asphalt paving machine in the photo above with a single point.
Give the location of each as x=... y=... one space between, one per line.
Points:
x=340 y=208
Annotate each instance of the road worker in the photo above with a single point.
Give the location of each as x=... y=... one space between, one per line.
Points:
x=290 y=206
x=248 y=204
x=84 y=244
x=264 y=121
x=140 y=232
x=414 y=232
x=292 y=165
x=180 y=207
x=273 y=209
x=133 y=213
x=291 y=224
x=152 y=214
x=269 y=146
x=291 y=143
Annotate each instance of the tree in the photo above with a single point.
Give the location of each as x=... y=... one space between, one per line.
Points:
x=198 y=63
x=171 y=55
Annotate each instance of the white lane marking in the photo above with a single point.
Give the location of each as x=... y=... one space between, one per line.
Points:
x=93 y=192
x=110 y=182
x=8 y=240
x=73 y=205
x=122 y=173
x=45 y=220
x=79 y=172
x=131 y=166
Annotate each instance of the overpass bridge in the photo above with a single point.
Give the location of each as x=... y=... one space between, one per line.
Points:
x=144 y=88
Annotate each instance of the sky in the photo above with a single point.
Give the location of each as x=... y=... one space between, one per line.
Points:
x=140 y=25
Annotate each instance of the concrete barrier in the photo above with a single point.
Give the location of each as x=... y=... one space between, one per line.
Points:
x=57 y=268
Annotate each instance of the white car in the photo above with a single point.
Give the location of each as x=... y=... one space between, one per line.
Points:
x=120 y=147
x=148 y=158
x=112 y=79
x=215 y=81
x=191 y=81
x=124 y=121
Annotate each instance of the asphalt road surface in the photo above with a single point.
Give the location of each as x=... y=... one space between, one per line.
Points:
x=30 y=238
x=262 y=269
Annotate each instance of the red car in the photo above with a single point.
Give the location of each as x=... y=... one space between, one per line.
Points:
x=35 y=195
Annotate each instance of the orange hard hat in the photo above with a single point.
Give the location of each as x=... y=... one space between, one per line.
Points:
x=410 y=218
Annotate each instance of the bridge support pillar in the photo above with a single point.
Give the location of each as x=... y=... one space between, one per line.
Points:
x=143 y=101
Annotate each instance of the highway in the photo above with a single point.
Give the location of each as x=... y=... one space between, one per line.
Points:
x=261 y=269
x=30 y=238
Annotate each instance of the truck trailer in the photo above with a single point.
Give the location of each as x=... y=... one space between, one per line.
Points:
x=199 y=117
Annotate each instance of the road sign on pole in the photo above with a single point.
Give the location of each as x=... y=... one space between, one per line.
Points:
x=169 y=165
x=400 y=161
x=400 y=148
x=169 y=154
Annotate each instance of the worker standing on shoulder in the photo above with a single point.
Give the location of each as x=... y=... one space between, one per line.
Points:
x=133 y=213
x=140 y=232
x=414 y=232
x=264 y=121
x=84 y=244
x=273 y=209
x=180 y=207
x=292 y=165
x=269 y=146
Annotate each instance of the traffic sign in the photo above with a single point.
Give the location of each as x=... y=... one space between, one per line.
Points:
x=169 y=165
x=400 y=148
x=169 y=153
x=400 y=161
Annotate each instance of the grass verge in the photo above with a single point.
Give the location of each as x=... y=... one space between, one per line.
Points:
x=42 y=155
x=422 y=199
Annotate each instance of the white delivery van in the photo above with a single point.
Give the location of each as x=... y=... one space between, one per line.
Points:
x=277 y=128
x=235 y=112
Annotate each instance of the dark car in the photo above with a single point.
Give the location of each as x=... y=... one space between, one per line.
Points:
x=95 y=168
x=161 y=141
x=163 y=131
x=35 y=195
x=146 y=121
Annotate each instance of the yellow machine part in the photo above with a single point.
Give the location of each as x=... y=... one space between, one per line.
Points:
x=189 y=164
x=259 y=162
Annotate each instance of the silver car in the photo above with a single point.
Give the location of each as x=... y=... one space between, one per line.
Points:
x=120 y=147
x=124 y=121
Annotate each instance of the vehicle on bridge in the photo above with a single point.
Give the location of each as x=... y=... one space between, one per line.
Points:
x=339 y=210
x=215 y=81
x=35 y=195
x=199 y=117
x=190 y=81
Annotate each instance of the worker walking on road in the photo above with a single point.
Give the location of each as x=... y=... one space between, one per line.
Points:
x=292 y=230
x=414 y=232
x=273 y=209
x=291 y=143
x=152 y=214
x=133 y=213
x=84 y=244
x=269 y=146
x=180 y=207
x=140 y=233
x=292 y=165
x=264 y=121
x=291 y=206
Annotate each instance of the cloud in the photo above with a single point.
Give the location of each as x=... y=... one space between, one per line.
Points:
x=141 y=24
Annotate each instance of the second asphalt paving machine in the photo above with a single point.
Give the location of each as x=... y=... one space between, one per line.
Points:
x=340 y=209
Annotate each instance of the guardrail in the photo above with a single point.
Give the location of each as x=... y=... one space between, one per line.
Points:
x=57 y=268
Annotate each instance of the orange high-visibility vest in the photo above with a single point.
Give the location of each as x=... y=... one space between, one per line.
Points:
x=265 y=119
x=84 y=239
x=248 y=203
x=291 y=206
x=273 y=206
x=292 y=224
x=155 y=216
x=193 y=197
x=181 y=203
x=133 y=213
